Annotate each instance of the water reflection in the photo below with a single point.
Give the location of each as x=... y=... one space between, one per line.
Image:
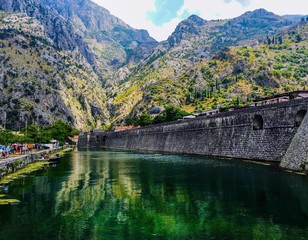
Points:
x=112 y=195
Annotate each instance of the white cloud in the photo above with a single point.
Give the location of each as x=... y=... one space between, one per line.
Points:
x=162 y=32
x=134 y=12
x=217 y=9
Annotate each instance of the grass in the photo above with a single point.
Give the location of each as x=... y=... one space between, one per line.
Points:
x=20 y=173
x=8 y=201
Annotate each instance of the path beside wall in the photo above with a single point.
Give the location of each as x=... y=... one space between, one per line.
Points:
x=11 y=165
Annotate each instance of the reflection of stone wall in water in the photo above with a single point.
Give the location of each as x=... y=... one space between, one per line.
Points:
x=261 y=133
x=90 y=186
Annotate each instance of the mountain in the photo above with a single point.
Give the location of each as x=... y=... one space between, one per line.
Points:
x=39 y=83
x=103 y=39
x=186 y=66
x=113 y=42
x=80 y=43
x=73 y=60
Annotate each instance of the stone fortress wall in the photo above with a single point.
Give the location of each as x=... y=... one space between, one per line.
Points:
x=259 y=133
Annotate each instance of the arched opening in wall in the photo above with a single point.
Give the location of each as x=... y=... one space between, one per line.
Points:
x=104 y=140
x=257 y=122
x=299 y=117
x=97 y=139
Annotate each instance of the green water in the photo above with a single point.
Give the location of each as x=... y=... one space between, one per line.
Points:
x=116 y=195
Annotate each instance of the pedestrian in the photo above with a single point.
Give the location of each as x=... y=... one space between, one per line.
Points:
x=3 y=153
x=7 y=151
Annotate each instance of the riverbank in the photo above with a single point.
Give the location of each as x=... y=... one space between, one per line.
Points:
x=11 y=165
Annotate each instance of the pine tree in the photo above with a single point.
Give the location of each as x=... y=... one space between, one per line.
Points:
x=298 y=38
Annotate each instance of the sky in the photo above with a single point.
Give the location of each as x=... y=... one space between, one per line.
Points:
x=160 y=17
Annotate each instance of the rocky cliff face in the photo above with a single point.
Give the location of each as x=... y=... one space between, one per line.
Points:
x=103 y=39
x=58 y=28
x=40 y=83
x=67 y=40
x=219 y=34
x=96 y=23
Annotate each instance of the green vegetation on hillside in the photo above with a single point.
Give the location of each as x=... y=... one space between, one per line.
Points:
x=171 y=113
x=232 y=78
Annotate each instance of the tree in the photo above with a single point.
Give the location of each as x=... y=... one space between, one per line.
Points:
x=174 y=113
x=35 y=134
x=59 y=131
x=145 y=119
x=32 y=132
x=159 y=119
x=6 y=137
x=131 y=121
x=298 y=38
x=170 y=114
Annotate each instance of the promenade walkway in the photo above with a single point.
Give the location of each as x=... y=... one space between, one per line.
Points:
x=12 y=164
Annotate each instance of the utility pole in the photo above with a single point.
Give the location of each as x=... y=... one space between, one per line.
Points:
x=26 y=124
x=4 y=120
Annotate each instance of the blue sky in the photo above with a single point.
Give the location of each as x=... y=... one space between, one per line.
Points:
x=160 y=17
x=165 y=11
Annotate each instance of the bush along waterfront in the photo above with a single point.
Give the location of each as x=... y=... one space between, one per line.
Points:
x=35 y=134
x=59 y=131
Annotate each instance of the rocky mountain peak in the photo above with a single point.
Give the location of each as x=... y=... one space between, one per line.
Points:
x=260 y=18
x=185 y=29
x=261 y=12
x=197 y=20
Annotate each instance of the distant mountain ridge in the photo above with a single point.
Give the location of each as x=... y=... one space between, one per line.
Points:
x=295 y=18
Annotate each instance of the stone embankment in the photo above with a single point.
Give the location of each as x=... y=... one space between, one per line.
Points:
x=11 y=165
